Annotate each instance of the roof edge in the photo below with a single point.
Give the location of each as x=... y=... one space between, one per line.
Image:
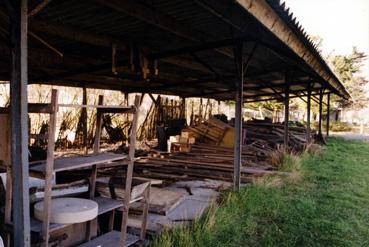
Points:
x=280 y=21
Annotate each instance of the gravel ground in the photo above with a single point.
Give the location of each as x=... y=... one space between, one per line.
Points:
x=351 y=136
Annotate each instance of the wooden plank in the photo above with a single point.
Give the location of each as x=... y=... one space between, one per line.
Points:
x=78 y=35
x=102 y=108
x=32 y=108
x=145 y=212
x=132 y=148
x=286 y=111
x=162 y=201
x=38 y=8
x=49 y=166
x=107 y=204
x=156 y=18
x=111 y=239
x=79 y=162
x=190 y=209
x=5 y=139
x=238 y=51
x=328 y=111
x=19 y=121
x=84 y=119
x=99 y=122
x=36 y=226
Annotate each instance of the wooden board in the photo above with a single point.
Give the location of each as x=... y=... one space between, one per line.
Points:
x=107 y=204
x=162 y=201
x=110 y=239
x=4 y=138
x=79 y=162
x=228 y=139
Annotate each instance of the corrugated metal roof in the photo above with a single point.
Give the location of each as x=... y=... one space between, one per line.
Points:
x=84 y=31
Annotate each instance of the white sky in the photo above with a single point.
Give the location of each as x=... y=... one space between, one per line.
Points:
x=340 y=23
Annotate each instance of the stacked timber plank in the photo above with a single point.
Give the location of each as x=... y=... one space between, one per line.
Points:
x=205 y=161
x=211 y=131
x=270 y=135
x=205 y=150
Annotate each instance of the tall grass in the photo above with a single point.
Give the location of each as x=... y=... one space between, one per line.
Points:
x=327 y=206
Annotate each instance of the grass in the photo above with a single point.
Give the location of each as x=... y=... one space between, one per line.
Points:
x=327 y=205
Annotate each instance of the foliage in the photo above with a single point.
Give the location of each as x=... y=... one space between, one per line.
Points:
x=326 y=206
x=269 y=105
x=340 y=126
x=283 y=160
x=348 y=70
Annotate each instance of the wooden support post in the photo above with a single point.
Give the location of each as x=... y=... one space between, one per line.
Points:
x=145 y=212
x=111 y=221
x=126 y=103
x=38 y=8
x=49 y=168
x=241 y=68
x=131 y=157
x=183 y=110
x=99 y=122
x=308 y=117
x=19 y=121
x=92 y=224
x=238 y=53
x=114 y=59
x=286 y=110
x=320 y=114
x=328 y=110
x=84 y=119
x=200 y=108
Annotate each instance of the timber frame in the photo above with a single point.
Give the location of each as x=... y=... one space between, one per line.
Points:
x=226 y=50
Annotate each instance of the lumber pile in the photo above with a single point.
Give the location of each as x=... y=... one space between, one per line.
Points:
x=205 y=161
x=270 y=135
x=260 y=134
x=211 y=131
x=205 y=150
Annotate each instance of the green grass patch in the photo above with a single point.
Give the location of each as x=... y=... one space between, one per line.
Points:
x=327 y=206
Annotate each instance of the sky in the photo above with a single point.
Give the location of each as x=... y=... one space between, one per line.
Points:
x=341 y=24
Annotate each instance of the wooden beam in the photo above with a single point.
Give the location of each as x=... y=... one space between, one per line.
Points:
x=129 y=174
x=153 y=17
x=203 y=46
x=238 y=54
x=19 y=122
x=49 y=168
x=42 y=41
x=77 y=35
x=241 y=68
x=38 y=8
x=185 y=64
x=153 y=99
x=308 y=117
x=84 y=119
x=320 y=113
x=286 y=110
x=272 y=98
x=159 y=19
x=99 y=122
x=328 y=110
